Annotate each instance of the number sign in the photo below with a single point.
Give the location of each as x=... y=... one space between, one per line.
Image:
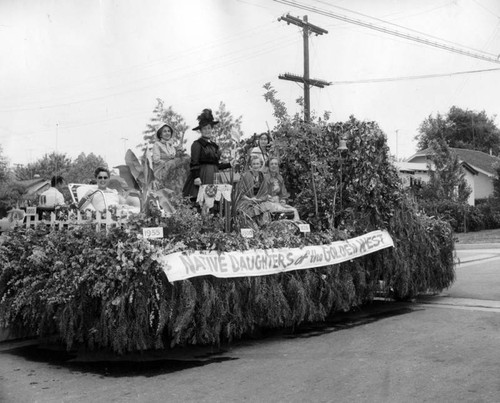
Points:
x=152 y=232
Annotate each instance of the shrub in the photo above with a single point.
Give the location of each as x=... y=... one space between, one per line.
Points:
x=490 y=211
x=422 y=259
x=463 y=217
x=359 y=185
x=109 y=291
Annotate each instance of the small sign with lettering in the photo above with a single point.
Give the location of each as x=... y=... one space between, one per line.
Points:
x=247 y=232
x=304 y=228
x=152 y=232
x=31 y=211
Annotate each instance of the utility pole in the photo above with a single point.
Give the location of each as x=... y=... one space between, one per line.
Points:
x=57 y=140
x=473 y=132
x=124 y=144
x=307 y=28
x=397 y=132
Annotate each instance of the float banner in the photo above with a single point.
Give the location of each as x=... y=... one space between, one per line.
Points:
x=261 y=262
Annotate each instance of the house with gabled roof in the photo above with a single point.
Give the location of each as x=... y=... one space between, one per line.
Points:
x=479 y=169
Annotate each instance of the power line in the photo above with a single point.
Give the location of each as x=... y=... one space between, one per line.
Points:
x=389 y=31
x=388 y=79
x=158 y=62
x=141 y=84
x=465 y=80
x=486 y=8
x=408 y=29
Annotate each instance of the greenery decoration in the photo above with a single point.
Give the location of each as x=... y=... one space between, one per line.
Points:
x=109 y=292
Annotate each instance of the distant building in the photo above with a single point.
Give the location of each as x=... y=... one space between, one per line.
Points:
x=479 y=170
x=413 y=173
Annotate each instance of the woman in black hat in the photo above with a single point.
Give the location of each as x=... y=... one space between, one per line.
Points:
x=205 y=156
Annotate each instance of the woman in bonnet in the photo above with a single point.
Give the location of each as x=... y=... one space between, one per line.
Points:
x=205 y=155
x=163 y=151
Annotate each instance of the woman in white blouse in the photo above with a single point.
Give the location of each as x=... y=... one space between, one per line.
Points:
x=101 y=196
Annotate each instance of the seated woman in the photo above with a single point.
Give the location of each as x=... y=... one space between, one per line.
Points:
x=262 y=149
x=274 y=187
x=103 y=197
x=252 y=192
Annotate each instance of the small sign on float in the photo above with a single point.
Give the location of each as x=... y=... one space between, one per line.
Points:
x=152 y=232
x=304 y=228
x=247 y=232
x=31 y=211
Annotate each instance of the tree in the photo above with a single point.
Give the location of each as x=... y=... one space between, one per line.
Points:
x=82 y=168
x=279 y=109
x=228 y=131
x=10 y=194
x=328 y=186
x=4 y=167
x=461 y=129
x=431 y=129
x=48 y=166
x=496 y=182
x=447 y=177
x=164 y=115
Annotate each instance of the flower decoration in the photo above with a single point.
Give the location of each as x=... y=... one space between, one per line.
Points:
x=210 y=190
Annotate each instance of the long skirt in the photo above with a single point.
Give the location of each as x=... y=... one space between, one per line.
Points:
x=207 y=176
x=274 y=207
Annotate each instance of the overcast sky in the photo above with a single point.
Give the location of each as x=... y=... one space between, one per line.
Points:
x=83 y=76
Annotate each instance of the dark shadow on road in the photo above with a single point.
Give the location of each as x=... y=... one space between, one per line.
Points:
x=153 y=363
x=112 y=368
x=346 y=322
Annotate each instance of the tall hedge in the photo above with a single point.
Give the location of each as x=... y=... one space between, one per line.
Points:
x=109 y=291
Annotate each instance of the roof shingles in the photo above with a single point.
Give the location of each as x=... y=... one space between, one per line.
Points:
x=477 y=159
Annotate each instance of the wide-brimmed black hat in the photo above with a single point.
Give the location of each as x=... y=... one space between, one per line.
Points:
x=161 y=126
x=206 y=118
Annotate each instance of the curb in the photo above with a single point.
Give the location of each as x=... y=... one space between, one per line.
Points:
x=477 y=246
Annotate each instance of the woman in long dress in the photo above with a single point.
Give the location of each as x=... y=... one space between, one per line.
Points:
x=163 y=151
x=277 y=195
x=253 y=192
x=205 y=155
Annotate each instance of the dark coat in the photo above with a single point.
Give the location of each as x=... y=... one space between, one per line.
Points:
x=204 y=164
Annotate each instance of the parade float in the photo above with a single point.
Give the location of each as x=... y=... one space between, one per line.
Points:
x=154 y=280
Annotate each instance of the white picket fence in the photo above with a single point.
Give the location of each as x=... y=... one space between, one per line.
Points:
x=102 y=221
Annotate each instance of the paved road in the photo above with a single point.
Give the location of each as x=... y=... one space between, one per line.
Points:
x=478 y=274
x=439 y=349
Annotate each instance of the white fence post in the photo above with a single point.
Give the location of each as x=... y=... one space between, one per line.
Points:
x=101 y=220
